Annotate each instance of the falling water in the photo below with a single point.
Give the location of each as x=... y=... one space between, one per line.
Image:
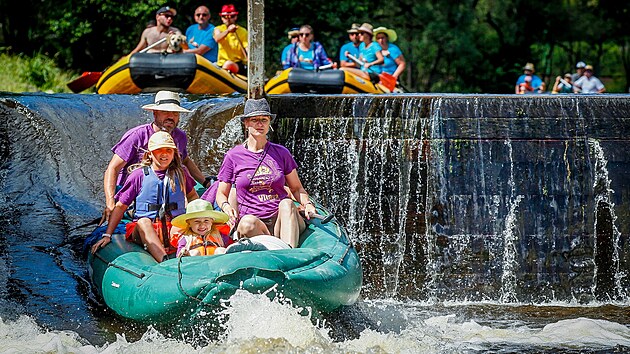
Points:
x=510 y=238
x=611 y=253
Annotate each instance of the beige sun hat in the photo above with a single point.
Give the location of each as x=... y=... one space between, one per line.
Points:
x=529 y=66
x=354 y=28
x=160 y=140
x=199 y=208
x=391 y=34
x=166 y=101
x=366 y=27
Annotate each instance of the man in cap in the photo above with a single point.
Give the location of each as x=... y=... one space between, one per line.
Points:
x=351 y=47
x=163 y=19
x=294 y=37
x=133 y=144
x=200 y=36
x=579 y=71
x=588 y=83
x=232 y=40
x=528 y=78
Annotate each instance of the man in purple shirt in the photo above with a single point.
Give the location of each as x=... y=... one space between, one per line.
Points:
x=132 y=146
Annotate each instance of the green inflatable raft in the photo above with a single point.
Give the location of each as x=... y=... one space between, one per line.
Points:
x=324 y=273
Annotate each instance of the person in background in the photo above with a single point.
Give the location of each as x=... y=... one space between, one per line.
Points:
x=200 y=36
x=163 y=19
x=351 y=47
x=563 y=85
x=579 y=71
x=371 y=56
x=200 y=236
x=588 y=83
x=529 y=79
x=294 y=37
x=133 y=144
x=260 y=170
x=394 y=61
x=306 y=53
x=232 y=40
x=161 y=169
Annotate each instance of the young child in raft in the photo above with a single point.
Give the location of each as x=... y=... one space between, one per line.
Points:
x=159 y=176
x=200 y=236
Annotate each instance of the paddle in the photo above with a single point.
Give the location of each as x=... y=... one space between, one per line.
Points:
x=93 y=222
x=90 y=78
x=388 y=80
x=242 y=46
x=325 y=219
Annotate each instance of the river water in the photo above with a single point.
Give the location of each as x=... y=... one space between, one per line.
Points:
x=54 y=151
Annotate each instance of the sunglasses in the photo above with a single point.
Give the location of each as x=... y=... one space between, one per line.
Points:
x=304 y=34
x=228 y=16
x=202 y=15
x=295 y=36
x=167 y=15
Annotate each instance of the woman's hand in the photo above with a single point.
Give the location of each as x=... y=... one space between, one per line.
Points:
x=101 y=243
x=309 y=209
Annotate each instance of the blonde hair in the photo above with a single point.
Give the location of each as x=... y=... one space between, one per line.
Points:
x=174 y=171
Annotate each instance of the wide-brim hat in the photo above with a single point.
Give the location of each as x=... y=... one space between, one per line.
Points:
x=391 y=34
x=160 y=140
x=354 y=28
x=166 y=9
x=529 y=66
x=228 y=9
x=199 y=208
x=366 y=27
x=256 y=107
x=166 y=101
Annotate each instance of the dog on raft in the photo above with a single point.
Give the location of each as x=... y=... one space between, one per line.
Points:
x=176 y=43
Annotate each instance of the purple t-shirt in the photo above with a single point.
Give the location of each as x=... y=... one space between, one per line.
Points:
x=135 y=142
x=210 y=195
x=262 y=196
x=133 y=184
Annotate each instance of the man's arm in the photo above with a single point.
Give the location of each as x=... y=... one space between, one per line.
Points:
x=142 y=44
x=195 y=172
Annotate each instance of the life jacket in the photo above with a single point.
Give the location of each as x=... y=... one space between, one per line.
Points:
x=156 y=193
x=198 y=247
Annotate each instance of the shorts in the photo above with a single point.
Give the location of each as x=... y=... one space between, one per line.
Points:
x=270 y=223
x=134 y=237
x=374 y=77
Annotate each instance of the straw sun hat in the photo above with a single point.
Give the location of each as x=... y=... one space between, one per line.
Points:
x=199 y=208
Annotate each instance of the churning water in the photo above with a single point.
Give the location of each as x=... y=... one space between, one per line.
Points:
x=484 y=224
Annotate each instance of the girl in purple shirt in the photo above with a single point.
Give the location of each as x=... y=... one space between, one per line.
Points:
x=261 y=170
x=161 y=161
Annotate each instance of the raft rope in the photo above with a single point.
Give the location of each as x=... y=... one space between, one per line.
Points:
x=110 y=264
x=179 y=280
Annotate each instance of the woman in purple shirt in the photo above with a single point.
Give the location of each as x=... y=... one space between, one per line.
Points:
x=260 y=170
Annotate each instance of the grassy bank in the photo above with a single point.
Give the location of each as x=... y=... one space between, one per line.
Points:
x=19 y=73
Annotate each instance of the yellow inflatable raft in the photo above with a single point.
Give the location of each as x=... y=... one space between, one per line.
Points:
x=185 y=72
x=296 y=80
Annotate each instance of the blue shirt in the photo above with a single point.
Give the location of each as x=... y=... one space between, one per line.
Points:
x=350 y=48
x=536 y=81
x=369 y=55
x=285 y=56
x=196 y=37
x=390 y=66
